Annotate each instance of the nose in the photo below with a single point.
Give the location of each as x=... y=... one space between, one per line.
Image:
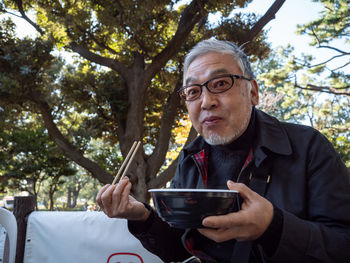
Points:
x=209 y=100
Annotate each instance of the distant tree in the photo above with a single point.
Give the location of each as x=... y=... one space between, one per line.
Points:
x=332 y=25
x=328 y=113
x=74 y=185
x=30 y=159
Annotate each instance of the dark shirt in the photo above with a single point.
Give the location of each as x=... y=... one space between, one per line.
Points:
x=225 y=163
x=308 y=179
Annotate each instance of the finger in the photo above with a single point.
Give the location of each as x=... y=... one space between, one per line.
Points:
x=226 y=221
x=244 y=191
x=106 y=199
x=125 y=205
x=218 y=235
x=100 y=192
x=119 y=189
x=99 y=195
x=119 y=196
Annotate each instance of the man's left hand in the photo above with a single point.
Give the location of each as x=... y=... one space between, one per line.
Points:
x=249 y=223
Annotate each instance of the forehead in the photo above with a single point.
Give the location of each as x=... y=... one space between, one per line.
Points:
x=210 y=65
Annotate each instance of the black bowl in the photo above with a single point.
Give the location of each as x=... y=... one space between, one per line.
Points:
x=186 y=208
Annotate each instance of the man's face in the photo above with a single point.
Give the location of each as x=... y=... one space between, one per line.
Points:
x=220 y=118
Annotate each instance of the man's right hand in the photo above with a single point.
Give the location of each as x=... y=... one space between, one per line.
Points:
x=116 y=201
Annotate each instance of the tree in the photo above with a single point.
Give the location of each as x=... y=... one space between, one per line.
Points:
x=75 y=185
x=297 y=84
x=329 y=114
x=129 y=70
x=333 y=24
x=33 y=158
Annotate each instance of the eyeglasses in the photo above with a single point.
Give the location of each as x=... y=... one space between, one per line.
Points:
x=215 y=85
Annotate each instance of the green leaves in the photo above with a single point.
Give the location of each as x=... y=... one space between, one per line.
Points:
x=333 y=23
x=31 y=157
x=120 y=86
x=25 y=64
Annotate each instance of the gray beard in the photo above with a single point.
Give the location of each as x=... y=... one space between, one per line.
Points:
x=215 y=139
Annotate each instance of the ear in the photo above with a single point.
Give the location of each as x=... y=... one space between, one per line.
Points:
x=254 y=92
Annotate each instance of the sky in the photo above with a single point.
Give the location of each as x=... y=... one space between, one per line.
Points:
x=281 y=30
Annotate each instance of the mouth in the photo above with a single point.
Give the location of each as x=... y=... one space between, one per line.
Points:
x=211 y=120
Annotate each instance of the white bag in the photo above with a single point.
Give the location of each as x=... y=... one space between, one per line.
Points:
x=86 y=237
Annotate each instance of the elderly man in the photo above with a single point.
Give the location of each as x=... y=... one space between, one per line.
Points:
x=294 y=186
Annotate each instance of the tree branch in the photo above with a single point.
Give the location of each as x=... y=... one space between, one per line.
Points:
x=19 y=4
x=134 y=36
x=190 y=16
x=157 y=157
x=342 y=53
x=342 y=66
x=324 y=89
x=10 y=13
x=168 y=174
x=67 y=148
x=269 y=15
x=336 y=49
x=108 y=62
x=103 y=61
x=164 y=177
x=325 y=62
x=93 y=38
x=321 y=46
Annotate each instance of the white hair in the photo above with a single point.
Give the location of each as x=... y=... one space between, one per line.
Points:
x=223 y=47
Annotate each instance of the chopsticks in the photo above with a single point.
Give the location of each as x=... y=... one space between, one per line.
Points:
x=127 y=161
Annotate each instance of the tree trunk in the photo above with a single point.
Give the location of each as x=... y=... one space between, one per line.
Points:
x=23 y=206
x=51 y=193
x=69 y=197
x=75 y=197
x=72 y=197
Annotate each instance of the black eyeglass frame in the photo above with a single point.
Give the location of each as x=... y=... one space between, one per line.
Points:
x=205 y=84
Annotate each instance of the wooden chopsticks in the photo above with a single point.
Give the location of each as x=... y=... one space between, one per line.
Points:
x=127 y=161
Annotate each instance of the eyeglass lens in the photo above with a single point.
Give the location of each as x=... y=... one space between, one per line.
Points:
x=216 y=85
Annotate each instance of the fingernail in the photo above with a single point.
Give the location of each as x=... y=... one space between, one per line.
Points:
x=206 y=223
x=230 y=182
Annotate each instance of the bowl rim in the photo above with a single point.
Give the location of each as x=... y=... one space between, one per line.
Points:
x=182 y=190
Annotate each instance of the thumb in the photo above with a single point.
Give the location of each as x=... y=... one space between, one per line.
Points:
x=244 y=191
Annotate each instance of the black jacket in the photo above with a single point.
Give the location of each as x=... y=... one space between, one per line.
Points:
x=308 y=182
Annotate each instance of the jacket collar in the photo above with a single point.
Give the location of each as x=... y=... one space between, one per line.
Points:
x=270 y=137
x=196 y=146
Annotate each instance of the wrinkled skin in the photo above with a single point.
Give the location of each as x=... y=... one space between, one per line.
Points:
x=247 y=224
x=116 y=201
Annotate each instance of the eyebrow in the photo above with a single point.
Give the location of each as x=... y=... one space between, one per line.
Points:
x=211 y=75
